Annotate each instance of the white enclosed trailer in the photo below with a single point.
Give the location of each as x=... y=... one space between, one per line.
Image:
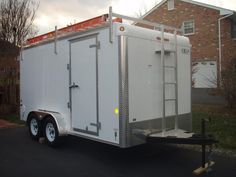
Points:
x=113 y=83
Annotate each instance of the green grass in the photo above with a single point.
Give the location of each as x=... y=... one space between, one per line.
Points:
x=222 y=125
x=13 y=118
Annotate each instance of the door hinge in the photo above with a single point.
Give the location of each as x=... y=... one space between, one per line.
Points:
x=98 y=125
x=68 y=66
x=98 y=45
x=68 y=105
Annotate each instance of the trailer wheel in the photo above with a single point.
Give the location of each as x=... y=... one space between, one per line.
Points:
x=34 y=126
x=51 y=132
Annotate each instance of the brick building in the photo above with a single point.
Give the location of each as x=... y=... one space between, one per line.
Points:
x=211 y=30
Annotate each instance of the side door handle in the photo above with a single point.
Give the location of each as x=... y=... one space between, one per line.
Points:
x=74 y=86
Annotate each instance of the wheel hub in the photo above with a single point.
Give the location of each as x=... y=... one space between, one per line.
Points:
x=34 y=127
x=50 y=132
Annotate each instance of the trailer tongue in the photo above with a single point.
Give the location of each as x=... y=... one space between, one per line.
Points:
x=182 y=137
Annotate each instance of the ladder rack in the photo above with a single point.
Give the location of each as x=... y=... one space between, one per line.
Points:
x=156 y=26
x=81 y=26
x=95 y=22
x=72 y=28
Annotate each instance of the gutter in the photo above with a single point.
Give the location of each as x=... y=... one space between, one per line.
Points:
x=219 y=37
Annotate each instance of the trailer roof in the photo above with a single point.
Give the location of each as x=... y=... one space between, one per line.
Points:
x=150 y=34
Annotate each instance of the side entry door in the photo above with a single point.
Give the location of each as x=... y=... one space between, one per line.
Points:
x=84 y=84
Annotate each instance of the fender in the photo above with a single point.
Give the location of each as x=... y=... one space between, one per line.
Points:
x=60 y=122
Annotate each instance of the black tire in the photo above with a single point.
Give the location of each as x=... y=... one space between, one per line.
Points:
x=34 y=125
x=51 y=133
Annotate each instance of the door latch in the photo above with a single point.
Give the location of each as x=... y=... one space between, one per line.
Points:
x=74 y=86
x=98 y=125
x=97 y=45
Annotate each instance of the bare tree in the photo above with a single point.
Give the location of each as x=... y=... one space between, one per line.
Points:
x=194 y=71
x=16 y=20
x=226 y=83
x=143 y=10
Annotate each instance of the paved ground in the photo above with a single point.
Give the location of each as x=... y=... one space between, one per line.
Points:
x=21 y=157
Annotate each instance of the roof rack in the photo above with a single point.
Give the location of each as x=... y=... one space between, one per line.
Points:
x=94 y=22
x=159 y=26
x=84 y=25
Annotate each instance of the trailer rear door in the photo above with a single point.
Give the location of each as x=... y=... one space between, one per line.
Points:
x=84 y=85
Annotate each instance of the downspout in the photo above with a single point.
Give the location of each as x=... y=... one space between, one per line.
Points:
x=219 y=37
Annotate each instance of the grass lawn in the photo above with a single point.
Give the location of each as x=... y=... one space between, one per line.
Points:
x=12 y=118
x=222 y=125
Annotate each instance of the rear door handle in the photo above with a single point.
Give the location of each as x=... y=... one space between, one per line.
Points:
x=74 y=86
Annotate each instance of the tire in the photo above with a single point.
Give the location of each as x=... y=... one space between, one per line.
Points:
x=51 y=132
x=34 y=125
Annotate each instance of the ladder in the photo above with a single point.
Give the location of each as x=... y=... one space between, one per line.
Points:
x=173 y=83
x=81 y=26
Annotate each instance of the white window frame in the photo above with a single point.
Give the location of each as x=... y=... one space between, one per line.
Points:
x=187 y=34
x=170 y=4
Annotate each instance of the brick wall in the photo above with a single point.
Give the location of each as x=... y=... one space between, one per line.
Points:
x=228 y=44
x=205 y=40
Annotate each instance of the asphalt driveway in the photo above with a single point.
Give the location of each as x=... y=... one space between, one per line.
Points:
x=22 y=157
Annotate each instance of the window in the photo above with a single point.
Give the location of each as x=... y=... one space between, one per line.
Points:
x=170 y=4
x=188 y=27
x=233 y=31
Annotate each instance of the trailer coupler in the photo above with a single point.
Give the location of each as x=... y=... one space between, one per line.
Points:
x=182 y=137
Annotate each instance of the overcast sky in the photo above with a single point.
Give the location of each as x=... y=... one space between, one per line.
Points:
x=64 y=12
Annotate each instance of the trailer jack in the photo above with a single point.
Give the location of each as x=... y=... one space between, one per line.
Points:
x=182 y=137
x=205 y=166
